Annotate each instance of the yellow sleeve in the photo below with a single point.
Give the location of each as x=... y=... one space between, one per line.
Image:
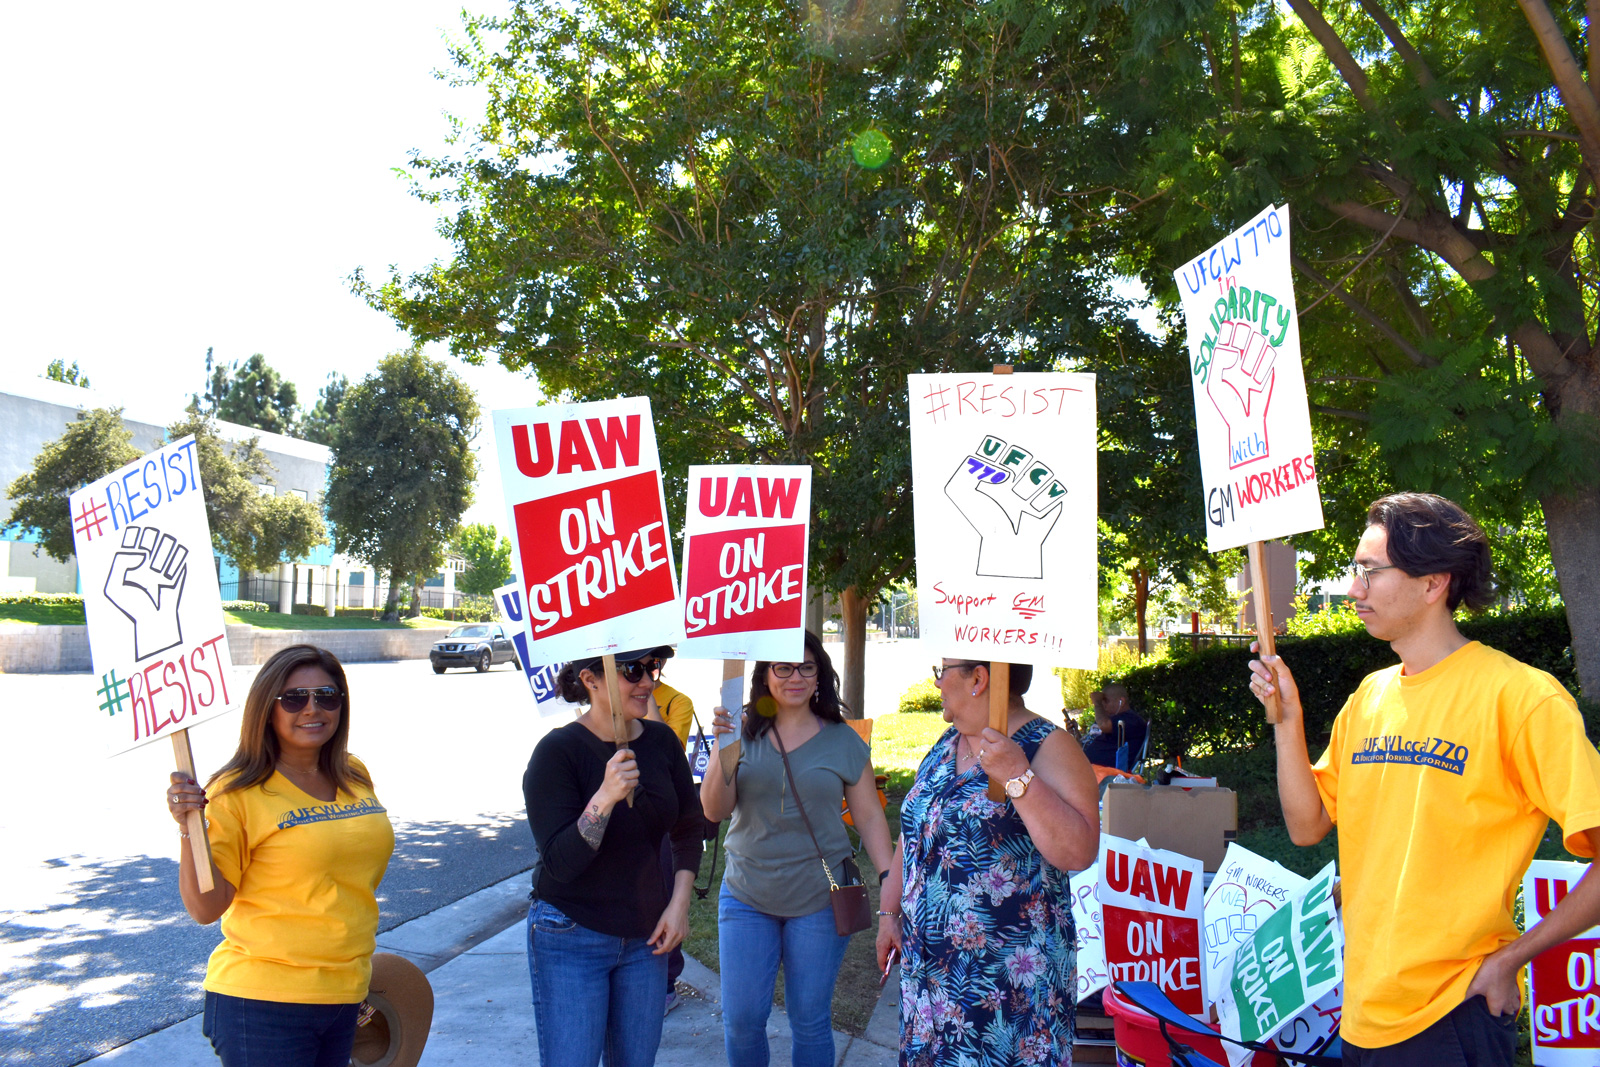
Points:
x=1326 y=769
x=679 y=712
x=228 y=836
x=1559 y=769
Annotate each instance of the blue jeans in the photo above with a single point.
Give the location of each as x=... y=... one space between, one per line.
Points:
x=268 y=1033
x=593 y=993
x=751 y=944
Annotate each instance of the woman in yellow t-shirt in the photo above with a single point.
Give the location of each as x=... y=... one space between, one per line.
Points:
x=299 y=844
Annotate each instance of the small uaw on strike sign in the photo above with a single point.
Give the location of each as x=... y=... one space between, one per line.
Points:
x=746 y=536
x=1256 y=462
x=1003 y=473
x=150 y=596
x=589 y=533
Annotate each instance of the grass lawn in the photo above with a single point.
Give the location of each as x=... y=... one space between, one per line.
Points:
x=43 y=614
x=272 y=620
x=899 y=741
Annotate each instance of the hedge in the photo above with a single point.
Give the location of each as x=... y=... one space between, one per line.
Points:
x=46 y=599
x=1202 y=703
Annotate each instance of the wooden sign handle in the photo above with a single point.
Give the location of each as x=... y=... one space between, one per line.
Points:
x=1261 y=594
x=195 y=821
x=619 y=721
x=728 y=751
x=999 y=706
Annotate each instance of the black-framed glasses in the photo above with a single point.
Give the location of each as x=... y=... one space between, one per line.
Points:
x=328 y=698
x=789 y=670
x=938 y=671
x=1364 y=574
x=634 y=672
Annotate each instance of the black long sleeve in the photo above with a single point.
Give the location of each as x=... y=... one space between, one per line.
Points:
x=616 y=890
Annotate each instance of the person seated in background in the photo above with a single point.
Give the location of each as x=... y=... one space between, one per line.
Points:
x=1116 y=725
x=1100 y=743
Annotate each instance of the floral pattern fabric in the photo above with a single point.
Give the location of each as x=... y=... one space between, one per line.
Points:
x=987 y=979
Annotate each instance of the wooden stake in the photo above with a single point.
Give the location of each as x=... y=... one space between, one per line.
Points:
x=1261 y=595
x=619 y=721
x=999 y=707
x=195 y=821
x=728 y=751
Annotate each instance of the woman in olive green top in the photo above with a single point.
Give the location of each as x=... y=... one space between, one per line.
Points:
x=774 y=907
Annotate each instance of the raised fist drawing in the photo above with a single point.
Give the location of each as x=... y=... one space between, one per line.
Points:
x=145 y=584
x=1011 y=526
x=1240 y=385
x=1227 y=932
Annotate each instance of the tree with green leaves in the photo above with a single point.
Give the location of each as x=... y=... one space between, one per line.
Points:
x=94 y=444
x=58 y=371
x=319 y=422
x=763 y=216
x=488 y=558
x=251 y=393
x=403 y=467
x=1442 y=162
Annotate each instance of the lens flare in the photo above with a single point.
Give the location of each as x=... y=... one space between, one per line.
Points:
x=767 y=706
x=871 y=149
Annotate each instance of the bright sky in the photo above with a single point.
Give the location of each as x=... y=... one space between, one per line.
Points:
x=189 y=175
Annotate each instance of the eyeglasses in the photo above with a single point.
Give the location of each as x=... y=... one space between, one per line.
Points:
x=788 y=670
x=634 y=672
x=1364 y=574
x=938 y=672
x=328 y=698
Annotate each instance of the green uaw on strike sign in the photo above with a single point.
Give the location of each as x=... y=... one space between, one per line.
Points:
x=1251 y=416
x=1296 y=955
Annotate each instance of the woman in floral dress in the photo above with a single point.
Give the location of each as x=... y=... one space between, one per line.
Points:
x=977 y=901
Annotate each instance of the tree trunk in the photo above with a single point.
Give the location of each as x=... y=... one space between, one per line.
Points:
x=416 y=601
x=1573 y=525
x=814 y=617
x=391 y=609
x=1141 y=601
x=854 y=608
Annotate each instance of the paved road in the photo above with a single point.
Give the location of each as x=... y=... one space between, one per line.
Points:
x=95 y=948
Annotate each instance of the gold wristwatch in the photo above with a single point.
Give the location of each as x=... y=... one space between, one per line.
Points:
x=1017 y=786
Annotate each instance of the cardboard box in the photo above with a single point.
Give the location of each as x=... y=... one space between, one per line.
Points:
x=1195 y=822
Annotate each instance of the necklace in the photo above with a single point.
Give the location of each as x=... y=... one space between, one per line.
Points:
x=970 y=755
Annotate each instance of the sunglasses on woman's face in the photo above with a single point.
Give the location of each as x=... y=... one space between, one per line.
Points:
x=785 y=670
x=327 y=697
x=634 y=672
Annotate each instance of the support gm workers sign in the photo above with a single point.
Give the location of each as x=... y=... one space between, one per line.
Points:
x=1256 y=462
x=151 y=600
x=1004 y=496
x=1151 y=908
x=589 y=527
x=1564 y=981
x=744 y=562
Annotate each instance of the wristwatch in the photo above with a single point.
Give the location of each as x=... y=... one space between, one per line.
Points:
x=1017 y=786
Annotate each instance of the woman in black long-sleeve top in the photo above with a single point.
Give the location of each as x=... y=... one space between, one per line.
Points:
x=600 y=925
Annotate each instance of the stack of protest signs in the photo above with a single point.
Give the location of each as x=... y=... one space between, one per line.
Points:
x=150 y=597
x=1564 y=981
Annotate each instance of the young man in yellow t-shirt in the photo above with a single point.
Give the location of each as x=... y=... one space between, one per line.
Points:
x=1442 y=774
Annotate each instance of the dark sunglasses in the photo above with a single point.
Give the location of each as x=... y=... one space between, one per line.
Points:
x=635 y=671
x=328 y=698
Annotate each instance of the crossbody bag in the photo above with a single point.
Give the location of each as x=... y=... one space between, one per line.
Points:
x=852 y=911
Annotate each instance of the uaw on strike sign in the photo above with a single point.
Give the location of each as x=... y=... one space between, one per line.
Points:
x=151 y=600
x=744 y=562
x=1564 y=981
x=1151 y=908
x=589 y=527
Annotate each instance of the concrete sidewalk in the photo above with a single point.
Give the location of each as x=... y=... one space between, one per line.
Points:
x=475 y=953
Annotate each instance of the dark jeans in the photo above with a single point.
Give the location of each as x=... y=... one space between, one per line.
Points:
x=1468 y=1037
x=267 y=1033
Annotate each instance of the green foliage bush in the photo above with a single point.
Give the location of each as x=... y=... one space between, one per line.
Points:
x=1338 y=618
x=924 y=696
x=1201 y=704
x=357 y=613
x=310 y=609
x=245 y=605
x=43 y=599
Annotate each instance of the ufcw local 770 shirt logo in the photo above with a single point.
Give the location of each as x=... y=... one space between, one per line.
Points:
x=329 y=812
x=1426 y=752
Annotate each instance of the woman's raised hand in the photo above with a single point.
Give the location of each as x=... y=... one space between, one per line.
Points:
x=184 y=795
x=622 y=774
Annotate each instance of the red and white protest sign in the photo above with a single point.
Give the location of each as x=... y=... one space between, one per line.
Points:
x=1151 y=903
x=744 y=562
x=589 y=527
x=1564 y=981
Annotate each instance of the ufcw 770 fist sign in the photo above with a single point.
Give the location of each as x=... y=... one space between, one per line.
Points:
x=150 y=597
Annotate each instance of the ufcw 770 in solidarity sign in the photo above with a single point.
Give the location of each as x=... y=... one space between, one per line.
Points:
x=151 y=600
x=589 y=522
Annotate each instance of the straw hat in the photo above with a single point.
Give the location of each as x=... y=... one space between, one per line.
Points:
x=402 y=1001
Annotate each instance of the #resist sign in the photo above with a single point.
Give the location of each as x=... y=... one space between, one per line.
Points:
x=1256 y=460
x=589 y=527
x=1004 y=494
x=151 y=600
x=746 y=534
x=1564 y=981
x=1150 y=908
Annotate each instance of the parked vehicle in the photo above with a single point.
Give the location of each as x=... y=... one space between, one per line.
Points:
x=479 y=645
